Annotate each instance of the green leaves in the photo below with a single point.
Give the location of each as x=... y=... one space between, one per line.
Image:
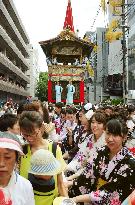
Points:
x=42 y=87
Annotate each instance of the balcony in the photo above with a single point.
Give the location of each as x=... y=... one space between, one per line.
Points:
x=12 y=45
x=7 y=63
x=10 y=6
x=12 y=88
x=13 y=27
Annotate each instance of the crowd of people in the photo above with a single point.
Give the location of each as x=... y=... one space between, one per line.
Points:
x=66 y=154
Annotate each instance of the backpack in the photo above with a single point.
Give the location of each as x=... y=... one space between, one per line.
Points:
x=54 y=148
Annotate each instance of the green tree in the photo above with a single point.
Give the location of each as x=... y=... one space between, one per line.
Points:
x=42 y=87
x=117 y=101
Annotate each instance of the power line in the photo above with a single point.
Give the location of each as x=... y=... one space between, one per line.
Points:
x=99 y=8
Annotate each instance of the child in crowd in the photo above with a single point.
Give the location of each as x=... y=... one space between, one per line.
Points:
x=43 y=173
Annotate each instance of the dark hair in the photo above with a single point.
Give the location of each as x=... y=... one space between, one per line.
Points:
x=29 y=120
x=131 y=109
x=7 y=120
x=63 y=111
x=21 y=107
x=77 y=117
x=50 y=108
x=99 y=117
x=108 y=107
x=82 y=110
x=69 y=111
x=46 y=116
x=119 y=114
x=35 y=106
x=17 y=156
x=74 y=110
x=31 y=107
x=117 y=127
x=59 y=105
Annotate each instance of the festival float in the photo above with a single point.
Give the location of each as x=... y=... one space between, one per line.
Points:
x=66 y=57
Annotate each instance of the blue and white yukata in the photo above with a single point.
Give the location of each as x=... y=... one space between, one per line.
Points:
x=70 y=94
x=58 y=90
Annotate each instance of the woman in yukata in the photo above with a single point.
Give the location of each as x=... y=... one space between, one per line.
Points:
x=96 y=140
x=83 y=136
x=110 y=172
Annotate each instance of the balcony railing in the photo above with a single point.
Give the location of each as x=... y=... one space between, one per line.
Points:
x=19 y=21
x=13 y=46
x=12 y=88
x=5 y=12
x=5 y=61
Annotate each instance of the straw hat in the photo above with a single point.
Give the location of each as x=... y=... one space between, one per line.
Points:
x=10 y=141
x=44 y=163
x=63 y=201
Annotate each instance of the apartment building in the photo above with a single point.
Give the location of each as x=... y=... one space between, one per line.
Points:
x=14 y=54
x=99 y=63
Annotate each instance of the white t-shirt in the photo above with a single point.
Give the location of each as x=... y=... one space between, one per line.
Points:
x=20 y=190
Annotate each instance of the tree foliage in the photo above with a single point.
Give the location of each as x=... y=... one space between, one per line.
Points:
x=118 y=101
x=42 y=87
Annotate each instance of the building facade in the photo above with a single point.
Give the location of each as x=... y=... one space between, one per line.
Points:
x=118 y=72
x=111 y=74
x=33 y=72
x=14 y=54
x=99 y=63
x=113 y=83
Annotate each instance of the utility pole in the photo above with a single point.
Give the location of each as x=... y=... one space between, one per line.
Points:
x=95 y=77
x=124 y=51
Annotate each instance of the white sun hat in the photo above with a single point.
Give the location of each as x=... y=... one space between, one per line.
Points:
x=10 y=141
x=44 y=163
x=88 y=106
x=89 y=114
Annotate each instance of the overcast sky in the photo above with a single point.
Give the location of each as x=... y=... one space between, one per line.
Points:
x=44 y=19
